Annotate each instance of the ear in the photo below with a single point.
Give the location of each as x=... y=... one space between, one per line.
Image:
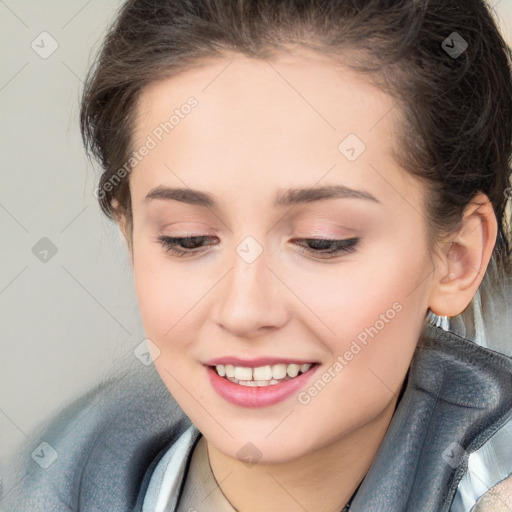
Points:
x=463 y=259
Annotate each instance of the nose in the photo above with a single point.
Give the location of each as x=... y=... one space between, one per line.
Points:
x=252 y=301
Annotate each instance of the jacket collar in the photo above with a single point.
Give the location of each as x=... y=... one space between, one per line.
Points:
x=458 y=395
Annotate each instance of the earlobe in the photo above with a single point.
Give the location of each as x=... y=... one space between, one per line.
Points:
x=464 y=258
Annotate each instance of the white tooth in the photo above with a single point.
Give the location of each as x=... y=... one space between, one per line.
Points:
x=293 y=370
x=220 y=370
x=279 y=371
x=249 y=383
x=274 y=381
x=230 y=370
x=243 y=373
x=261 y=382
x=305 y=367
x=262 y=373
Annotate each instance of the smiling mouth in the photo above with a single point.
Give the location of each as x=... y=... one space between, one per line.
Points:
x=267 y=375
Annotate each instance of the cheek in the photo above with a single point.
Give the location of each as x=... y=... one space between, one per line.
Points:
x=371 y=316
x=166 y=294
x=351 y=296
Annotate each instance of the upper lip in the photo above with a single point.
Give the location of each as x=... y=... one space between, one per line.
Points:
x=254 y=363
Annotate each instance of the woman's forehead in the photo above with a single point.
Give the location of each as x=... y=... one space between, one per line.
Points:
x=315 y=88
x=298 y=107
x=269 y=126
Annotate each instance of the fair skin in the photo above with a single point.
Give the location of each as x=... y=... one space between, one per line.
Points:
x=261 y=128
x=498 y=499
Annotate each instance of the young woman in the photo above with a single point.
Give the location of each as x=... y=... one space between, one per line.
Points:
x=308 y=191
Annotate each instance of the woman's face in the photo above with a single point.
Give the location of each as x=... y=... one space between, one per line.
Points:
x=257 y=149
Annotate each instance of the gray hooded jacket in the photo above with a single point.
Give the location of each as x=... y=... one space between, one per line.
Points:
x=100 y=452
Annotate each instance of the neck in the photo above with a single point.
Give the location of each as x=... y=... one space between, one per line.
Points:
x=324 y=479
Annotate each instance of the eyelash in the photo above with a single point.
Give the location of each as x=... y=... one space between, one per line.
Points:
x=343 y=246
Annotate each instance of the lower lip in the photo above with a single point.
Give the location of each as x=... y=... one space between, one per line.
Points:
x=257 y=396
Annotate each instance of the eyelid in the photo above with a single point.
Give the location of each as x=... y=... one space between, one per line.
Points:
x=342 y=245
x=334 y=231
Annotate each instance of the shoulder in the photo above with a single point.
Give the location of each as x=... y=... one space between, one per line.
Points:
x=94 y=452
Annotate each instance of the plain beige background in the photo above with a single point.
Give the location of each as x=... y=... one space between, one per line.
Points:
x=67 y=305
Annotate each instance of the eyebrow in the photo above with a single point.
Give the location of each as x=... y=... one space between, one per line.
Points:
x=284 y=198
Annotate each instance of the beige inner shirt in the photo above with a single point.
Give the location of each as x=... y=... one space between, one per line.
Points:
x=201 y=492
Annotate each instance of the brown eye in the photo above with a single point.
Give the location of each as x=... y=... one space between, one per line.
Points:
x=182 y=246
x=330 y=248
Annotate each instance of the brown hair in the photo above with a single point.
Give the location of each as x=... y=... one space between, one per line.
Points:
x=456 y=133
